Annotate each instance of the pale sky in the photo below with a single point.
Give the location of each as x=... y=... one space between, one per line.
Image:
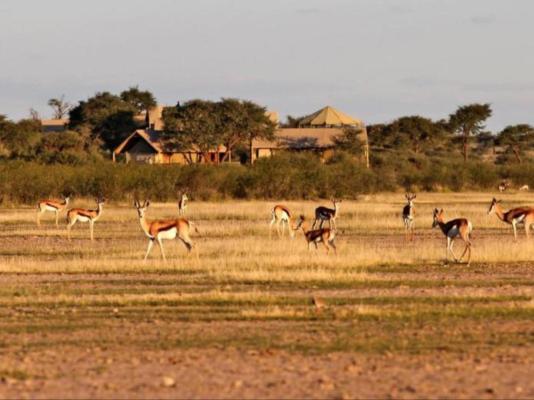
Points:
x=374 y=59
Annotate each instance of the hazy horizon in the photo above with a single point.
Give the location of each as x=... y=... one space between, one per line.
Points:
x=375 y=60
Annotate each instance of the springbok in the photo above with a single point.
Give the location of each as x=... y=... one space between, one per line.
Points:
x=515 y=216
x=321 y=235
x=408 y=215
x=452 y=229
x=281 y=215
x=84 y=215
x=327 y=214
x=182 y=204
x=159 y=230
x=51 y=205
x=504 y=185
x=524 y=188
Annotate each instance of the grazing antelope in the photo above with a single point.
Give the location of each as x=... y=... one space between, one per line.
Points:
x=408 y=215
x=516 y=216
x=51 y=205
x=281 y=215
x=182 y=204
x=159 y=230
x=83 y=215
x=452 y=229
x=504 y=185
x=524 y=188
x=327 y=214
x=321 y=235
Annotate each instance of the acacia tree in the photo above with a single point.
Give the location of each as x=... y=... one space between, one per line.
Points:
x=193 y=125
x=109 y=118
x=233 y=123
x=516 y=138
x=140 y=100
x=60 y=107
x=469 y=120
x=258 y=125
x=414 y=129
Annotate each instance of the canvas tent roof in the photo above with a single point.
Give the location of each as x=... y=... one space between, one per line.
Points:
x=329 y=116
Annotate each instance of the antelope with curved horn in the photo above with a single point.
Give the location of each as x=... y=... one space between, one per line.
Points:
x=182 y=204
x=327 y=214
x=408 y=216
x=54 y=206
x=281 y=216
x=515 y=216
x=452 y=229
x=159 y=230
x=84 y=215
x=325 y=236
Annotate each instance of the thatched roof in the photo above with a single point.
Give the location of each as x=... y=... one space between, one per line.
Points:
x=329 y=116
x=153 y=138
x=54 y=125
x=300 y=139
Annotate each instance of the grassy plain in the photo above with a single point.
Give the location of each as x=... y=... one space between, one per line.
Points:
x=81 y=318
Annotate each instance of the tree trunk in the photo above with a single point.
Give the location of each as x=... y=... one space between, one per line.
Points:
x=251 y=152
x=465 y=150
x=515 y=149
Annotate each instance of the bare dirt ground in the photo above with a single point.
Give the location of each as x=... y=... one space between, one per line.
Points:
x=257 y=318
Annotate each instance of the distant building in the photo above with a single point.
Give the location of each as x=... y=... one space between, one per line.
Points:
x=316 y=132
x=54 y=125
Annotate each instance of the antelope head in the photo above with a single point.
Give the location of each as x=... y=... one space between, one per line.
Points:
x=437 y=217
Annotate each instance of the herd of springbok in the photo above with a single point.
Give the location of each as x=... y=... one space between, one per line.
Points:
x=282 y=219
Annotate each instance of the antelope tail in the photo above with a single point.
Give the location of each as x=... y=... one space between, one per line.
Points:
x=194 y=226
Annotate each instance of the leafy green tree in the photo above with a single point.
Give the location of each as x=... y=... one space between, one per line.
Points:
x=141 y=100
x=415 y=130
x=469 y=120
x=60 y=106
x=233 y=123
x=20 y=140
x=517 y=138
x=258 y=125
x=193 y=125
x=351 y=141
x=107 y=116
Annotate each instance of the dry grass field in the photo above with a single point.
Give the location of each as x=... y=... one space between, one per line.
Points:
x=253 y=317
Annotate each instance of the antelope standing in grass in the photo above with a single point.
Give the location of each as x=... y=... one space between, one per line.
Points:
x=54 y=206
x=408 y=215
x=327 y=214
x=524 y=188
x=159 y=230
x=182 y=204
x=452 y=229
x=516 y=216
x=281 y=216
x=325 y=236
x=84 y=215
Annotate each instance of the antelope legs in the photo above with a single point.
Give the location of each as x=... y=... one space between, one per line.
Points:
x=150 y=244
x=57 y=217
x=161 y=249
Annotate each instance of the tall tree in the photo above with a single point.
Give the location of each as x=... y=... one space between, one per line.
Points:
x=234 y=124
x=60 y=107
x=469 y=120
x=141 y=100
x=193 y=125
x=259 y=125
x=517 y=138
x=109 y=118
x=416 y=130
